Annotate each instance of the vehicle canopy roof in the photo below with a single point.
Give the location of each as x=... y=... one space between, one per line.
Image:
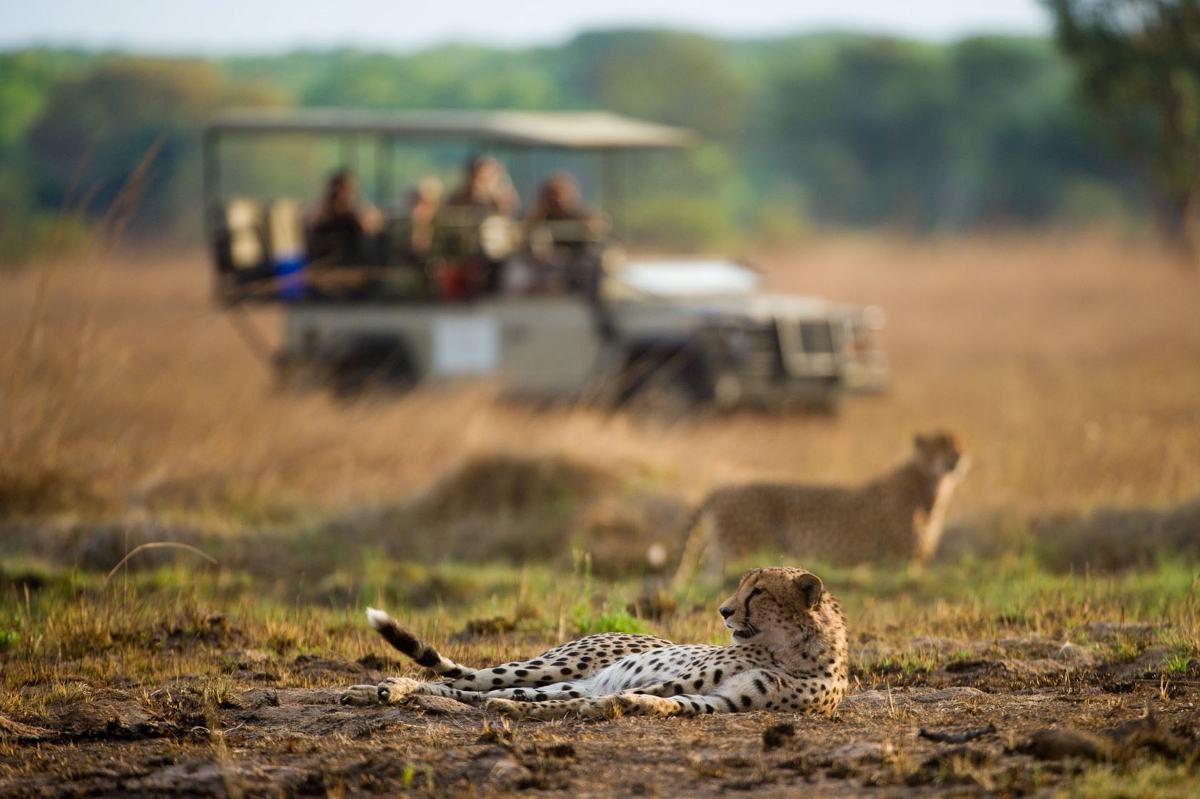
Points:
x=577 y=130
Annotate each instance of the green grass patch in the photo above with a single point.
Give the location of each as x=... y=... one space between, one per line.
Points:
x=173 y=619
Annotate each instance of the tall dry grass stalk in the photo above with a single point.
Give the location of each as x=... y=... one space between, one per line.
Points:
x=1071 y=362
x=30 y=451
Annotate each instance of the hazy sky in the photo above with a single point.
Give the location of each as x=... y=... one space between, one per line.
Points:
x=245 y=26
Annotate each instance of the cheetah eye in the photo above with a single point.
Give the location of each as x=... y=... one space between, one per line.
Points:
x=755 y=592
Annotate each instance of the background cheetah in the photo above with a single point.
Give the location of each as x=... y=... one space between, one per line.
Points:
x=898 y=516
x=788 y=653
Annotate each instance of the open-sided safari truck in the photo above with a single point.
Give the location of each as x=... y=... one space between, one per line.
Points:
x=603 y=327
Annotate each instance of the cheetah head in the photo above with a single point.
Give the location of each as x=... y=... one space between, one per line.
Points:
x=941 y=453
x=773 y=605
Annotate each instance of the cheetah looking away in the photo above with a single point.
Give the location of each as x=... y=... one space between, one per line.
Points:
x=896 y=517
x=788 y=654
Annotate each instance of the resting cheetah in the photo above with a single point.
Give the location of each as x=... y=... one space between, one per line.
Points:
x=895 y=517
x=788 y=653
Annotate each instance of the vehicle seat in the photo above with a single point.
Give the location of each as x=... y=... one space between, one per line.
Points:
x=285 y=227
x=247 y=234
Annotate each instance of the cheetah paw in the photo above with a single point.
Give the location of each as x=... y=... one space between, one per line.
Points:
x=506 y=707
x=396 y=689
x=360 y=695
x=653 y=706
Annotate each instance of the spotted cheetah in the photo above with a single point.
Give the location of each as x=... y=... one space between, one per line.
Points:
x=788 y=654
x=896 y=517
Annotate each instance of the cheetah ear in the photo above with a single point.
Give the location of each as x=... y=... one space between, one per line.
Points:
x=810 y=589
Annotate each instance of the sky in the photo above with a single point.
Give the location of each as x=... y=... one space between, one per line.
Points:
x=223 y=27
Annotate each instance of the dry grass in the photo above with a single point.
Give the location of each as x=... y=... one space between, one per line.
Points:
x=1072 y=363
x=143 y=686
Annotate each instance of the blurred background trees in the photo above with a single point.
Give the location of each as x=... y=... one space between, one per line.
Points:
x=800 y=132
x=1139 y=68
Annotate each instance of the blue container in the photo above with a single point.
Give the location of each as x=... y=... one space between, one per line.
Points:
x=289 y=271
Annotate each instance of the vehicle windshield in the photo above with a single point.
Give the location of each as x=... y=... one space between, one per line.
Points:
x=689 y=278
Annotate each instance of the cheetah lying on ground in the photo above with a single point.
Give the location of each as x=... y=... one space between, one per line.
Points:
x=896 y=517
x=788 y=653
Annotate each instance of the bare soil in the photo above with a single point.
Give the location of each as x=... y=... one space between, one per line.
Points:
x=1015 y=717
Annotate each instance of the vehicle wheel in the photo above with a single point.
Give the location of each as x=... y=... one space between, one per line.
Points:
x=667 y=402
x=666 y=385
x=372 y=363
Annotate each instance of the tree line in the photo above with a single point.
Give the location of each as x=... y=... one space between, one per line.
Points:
x=808 y=131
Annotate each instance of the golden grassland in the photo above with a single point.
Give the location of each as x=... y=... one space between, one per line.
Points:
x=1071 y=362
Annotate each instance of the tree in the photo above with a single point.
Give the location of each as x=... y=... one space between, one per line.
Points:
x=1139 y=67
x=868 y=129
x=95 y=128
x=676 y=78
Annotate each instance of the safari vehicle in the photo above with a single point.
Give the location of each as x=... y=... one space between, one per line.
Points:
x=610 y=328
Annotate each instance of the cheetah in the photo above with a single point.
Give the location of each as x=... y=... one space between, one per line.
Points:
x=788 y=653
x=896 y=517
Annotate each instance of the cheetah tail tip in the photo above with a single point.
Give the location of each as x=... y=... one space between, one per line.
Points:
x=377 y=618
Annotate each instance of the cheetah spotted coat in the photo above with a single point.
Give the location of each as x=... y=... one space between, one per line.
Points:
x=788 y=653
x=896 y=517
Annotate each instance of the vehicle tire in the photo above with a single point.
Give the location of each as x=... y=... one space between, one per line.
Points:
x=665 y=383
x=369 y=363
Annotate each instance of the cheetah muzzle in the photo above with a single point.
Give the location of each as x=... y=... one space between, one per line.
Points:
x=788 y=654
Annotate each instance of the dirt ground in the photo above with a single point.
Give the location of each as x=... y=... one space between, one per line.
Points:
x=1019 y=716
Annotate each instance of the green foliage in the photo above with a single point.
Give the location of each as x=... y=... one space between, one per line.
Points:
x=617 y=621
x=683 y=223
x=97 y=127
x=25 y=79
x=680 y=79
x=445 y=77
x=829 y=129
x=982 y=132
x=1139 y=68
x=1155 y=779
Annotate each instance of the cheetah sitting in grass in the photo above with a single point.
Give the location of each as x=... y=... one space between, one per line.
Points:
x=788 y=654
x=894 y=518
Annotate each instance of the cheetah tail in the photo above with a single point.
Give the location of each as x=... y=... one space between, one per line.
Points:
x=424 y=654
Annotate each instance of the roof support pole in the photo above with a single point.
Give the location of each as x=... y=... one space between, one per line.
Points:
x=384 y=184
x=612 y=185
x=522 y=176
x=211 y=174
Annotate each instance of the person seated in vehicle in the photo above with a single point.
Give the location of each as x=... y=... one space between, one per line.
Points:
x=559 y=200
x=485 y=188
x=409 y=237
x=560 y=228
x=424 y=202
x=340 y=230
x=475 y=231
